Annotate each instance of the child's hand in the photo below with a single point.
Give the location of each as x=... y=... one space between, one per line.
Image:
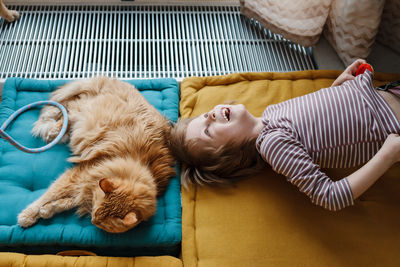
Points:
x=390 y=150
x=349 y=72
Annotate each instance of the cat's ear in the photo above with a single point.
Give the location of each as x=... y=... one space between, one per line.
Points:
x=130 y=219
x=106 y=185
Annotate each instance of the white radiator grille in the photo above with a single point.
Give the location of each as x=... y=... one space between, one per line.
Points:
x=61 y=42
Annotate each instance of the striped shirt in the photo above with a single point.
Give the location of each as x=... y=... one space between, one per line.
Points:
x=336 y=127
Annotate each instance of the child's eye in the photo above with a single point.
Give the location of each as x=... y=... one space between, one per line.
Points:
x=207 y=132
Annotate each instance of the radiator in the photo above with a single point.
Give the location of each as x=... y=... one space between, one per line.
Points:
x=141 y=41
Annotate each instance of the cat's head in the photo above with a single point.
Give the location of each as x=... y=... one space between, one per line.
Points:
x=120 y=205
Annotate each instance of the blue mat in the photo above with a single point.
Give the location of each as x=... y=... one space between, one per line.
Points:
x=25 y=177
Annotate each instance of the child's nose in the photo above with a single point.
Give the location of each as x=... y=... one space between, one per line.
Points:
x=211 y=115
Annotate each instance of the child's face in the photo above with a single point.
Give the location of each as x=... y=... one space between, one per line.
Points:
x=221 y=125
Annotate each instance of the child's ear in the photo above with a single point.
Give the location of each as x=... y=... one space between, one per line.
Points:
x=106 y=185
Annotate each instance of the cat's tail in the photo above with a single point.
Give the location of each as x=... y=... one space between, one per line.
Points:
x=77 y=89
x=50 y=120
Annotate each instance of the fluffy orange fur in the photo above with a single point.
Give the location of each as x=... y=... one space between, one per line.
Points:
x=119 y=145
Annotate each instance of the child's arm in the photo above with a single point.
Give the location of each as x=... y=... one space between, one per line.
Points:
x=349 y=72
x=367 y=175
x=288 y=156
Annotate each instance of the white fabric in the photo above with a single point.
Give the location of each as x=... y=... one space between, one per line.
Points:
x=350 y=25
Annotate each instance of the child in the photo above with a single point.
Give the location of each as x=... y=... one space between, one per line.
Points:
x=345 y=125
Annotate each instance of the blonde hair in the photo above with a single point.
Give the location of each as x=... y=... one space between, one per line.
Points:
x=210 y=165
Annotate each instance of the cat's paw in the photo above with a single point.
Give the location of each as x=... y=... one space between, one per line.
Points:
x=11 y=15
x=49 y=124
x=28 y=217
x=46 y=211
x=54 y=131
x=48 y=130
x=42 y=127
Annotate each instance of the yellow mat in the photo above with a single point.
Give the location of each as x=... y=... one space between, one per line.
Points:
x=21 y=260
x=264 y=220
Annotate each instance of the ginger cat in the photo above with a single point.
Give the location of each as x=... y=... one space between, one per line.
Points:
x=5 y=13
x=119 y=144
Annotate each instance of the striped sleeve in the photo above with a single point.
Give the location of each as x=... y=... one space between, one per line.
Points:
x=288 y=156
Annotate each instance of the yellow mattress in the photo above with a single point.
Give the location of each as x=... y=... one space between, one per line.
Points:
x=22 y=260
x=264 y=220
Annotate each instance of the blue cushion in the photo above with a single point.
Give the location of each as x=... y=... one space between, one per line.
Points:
x=25 y=177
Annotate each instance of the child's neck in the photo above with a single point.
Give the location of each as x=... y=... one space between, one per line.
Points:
x=258 y=126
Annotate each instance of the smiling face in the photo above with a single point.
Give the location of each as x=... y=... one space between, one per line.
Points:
x=222 y=124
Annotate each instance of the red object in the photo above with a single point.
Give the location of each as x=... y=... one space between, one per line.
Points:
x=363 y=67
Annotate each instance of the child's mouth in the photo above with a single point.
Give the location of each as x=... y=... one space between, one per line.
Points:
x=226 y=113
